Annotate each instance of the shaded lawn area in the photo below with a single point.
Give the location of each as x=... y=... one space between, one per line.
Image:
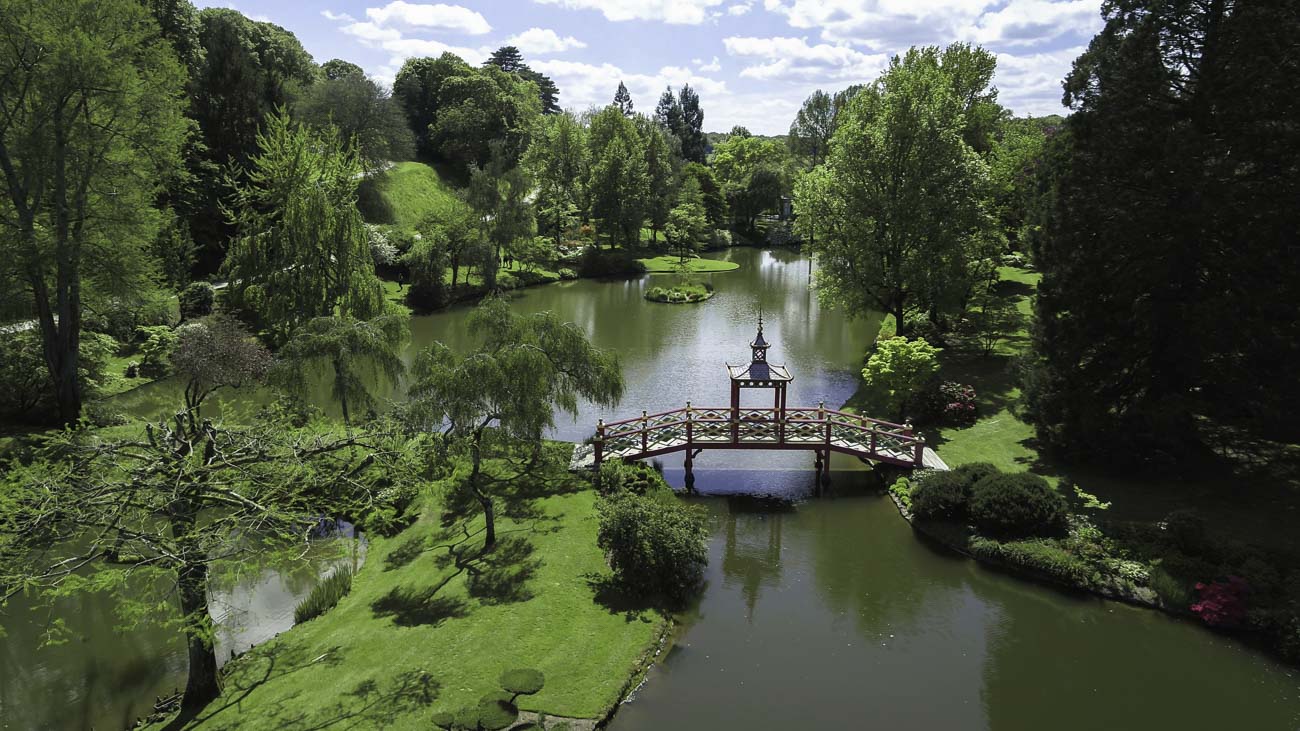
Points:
x=1240 y=502
x=672 y=264
x=432 y=621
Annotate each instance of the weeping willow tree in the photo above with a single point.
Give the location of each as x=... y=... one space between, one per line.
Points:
x=302 y=250
x=354 y=352
x=505 y=394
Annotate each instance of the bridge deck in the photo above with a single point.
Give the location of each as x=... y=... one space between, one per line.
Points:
x=813 y=429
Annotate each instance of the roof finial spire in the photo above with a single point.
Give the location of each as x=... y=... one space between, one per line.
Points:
x=760 y=318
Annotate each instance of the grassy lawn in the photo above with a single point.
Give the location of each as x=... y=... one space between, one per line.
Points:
x=405 y=195
x=671 y=264
x=431 y=623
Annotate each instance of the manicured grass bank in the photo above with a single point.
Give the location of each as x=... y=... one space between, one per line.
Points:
x=672 y=264
x=430 y=624
x=405 y=195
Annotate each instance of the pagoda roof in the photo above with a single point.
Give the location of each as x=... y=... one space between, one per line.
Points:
x=759 y=371
x=759 y=342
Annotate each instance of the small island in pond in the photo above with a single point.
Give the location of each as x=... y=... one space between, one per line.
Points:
x=679 y=294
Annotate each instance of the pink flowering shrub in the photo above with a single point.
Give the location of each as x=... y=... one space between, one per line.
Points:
x=947 y=402
x=1222 y=603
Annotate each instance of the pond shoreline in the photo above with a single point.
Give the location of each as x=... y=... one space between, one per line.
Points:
x=1115 y=590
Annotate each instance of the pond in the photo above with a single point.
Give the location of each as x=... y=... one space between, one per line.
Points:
x=819 y=613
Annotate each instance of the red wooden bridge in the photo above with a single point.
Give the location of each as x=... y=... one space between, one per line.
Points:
x=819 y=430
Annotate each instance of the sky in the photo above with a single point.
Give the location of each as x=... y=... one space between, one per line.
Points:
x=753 y=62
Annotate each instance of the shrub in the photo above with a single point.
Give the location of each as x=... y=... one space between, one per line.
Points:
x=122 y=318
x=902 y=489
x=1042 y=555
x=597 y=262
x=1173 y=592
x=1222 y=603
x=197 y=300
x=324 y=596
x=506 y=280
x=656 y=545
x=941 y=495
x=156 y=350
x=567 y=273
x=1017 y=505
x=947 y=402
x=897 y=370
x=636 y=477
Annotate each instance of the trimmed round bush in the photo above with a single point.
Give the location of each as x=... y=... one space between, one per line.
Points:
x=496 y=713
x=444 y=720
x=1017 y=505
x=941 y=496
x=973 y=472
x=522 y=681
x=656 y=545
x=197 y=300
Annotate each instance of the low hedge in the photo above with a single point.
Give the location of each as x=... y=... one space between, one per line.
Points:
x=946 y=495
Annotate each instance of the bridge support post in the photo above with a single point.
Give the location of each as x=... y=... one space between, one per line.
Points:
x=690 y=473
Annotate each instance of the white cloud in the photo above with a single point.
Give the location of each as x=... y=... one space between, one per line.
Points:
x=1031 y=84
x=882 y=23
x=584 y=85
x=1035 y=22
x=740 y=8
x=793 y=59
x=711 y=67
x=439 y=16
x=543 y=40
x=331 y=15
x=687 y=12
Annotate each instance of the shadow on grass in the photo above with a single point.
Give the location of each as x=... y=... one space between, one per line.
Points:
x=369 y=704
x=284 y=656
x=501 y=576
x=1010 y=288
x=610 y=593
x=410 y=607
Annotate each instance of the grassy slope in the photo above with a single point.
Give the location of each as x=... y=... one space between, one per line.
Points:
x=662 y=264
x=405 y=195
x=402 y=630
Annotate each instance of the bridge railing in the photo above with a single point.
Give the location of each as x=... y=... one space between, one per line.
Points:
x=756 y=428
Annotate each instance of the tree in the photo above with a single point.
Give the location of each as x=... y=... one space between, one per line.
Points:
x=511 y=61
x=1170 y=242
x=694 y=145
x=417 y=88
x=483 y=109
x=361 y=112
x=898 y=370
x=336 y=69
x=303 y=251
x=688 y=224
x=668 y=113
x=91 y=129
x=970 y=70
x=556 y=161
x=353 y=351
x=899 y=206
x=623 y=100
x=249 y=70
x=507 y=391
x=618 y=181
x=166 y=509
x=499 y=194
x=659 y=173
x=995 y=318
x=751 y=173
x=656 y=545
x=715 y=203
x=811 y=130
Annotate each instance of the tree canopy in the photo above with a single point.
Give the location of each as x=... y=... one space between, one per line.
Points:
x=899 y=208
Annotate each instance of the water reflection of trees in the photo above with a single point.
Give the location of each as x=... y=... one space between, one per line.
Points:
x=752 y=551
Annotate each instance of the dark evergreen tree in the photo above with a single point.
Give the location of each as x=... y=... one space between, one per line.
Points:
x=623 y=100
x=694 y=145
x=1171 y=269
x=511 y=61
x=668 y=113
